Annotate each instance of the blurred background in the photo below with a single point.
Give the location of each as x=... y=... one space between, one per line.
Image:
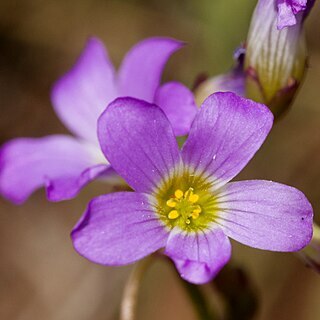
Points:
x=41 y=277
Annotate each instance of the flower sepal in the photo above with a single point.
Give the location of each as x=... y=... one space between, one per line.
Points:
x=280 y=101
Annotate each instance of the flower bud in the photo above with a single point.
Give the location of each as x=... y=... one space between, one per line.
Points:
x=276 y=56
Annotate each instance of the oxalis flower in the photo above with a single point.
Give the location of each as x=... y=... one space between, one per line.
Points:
x=183 y=201
x=64 y=164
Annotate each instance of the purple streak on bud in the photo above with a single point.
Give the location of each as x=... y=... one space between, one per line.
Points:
x=290 y=11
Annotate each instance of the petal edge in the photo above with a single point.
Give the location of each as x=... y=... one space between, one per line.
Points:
x=265 y=215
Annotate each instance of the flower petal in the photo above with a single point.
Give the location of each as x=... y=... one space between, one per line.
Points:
x=288 y=11
x=299 y=5
x=286 y=16
x=265 y=215
x=29 y=163
x=137 y=139
x=226 y=133
x=118 y=229
x=198 y=256
x=68 y=187
x=141 y=69
x=178 y=104
x=233 y=81
x=81 y=95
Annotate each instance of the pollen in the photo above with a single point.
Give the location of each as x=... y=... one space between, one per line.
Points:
x=172 y=203
x=195 y=215
x=197 y=209
x=184 y=205
x=193 y=198
x=173 y=214
x=178 y=194
x=196 y=212
x=186 y=201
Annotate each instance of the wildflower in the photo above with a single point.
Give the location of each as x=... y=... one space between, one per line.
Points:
x=275 y=59
x=64 y=164
x=183 y=200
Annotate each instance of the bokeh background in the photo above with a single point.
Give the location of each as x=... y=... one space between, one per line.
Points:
x=41 y=277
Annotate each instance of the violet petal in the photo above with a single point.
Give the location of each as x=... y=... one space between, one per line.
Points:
x=141 y=70
x=178 y=104
x=80 y=96
x=68 y=186
x=138 y=140
x=26 y=164
x=265 y=215
x=200 y=256
x=118 y=229
x=226 y=133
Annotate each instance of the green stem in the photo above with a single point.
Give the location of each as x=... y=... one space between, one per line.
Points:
x=199 y=301
x=129 y=301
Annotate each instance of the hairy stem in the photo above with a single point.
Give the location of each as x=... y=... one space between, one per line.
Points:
x=129 y=302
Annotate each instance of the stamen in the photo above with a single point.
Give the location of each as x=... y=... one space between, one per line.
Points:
x=184 y=205
x=188 y=193
x=193 y=198
x=197 y=209
x=195 y=214
x=178 y=194
x=172 y=203
x=186 y=202
x=174 y=214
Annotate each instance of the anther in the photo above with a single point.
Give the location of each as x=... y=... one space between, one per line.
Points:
x=173 y=214
x=171 y=203
x=197 y=209
x=193 y=198
x=178 y=194
x=184 y=203
x=195 y=214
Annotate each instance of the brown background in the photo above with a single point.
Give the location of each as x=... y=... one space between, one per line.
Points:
x=41 y=277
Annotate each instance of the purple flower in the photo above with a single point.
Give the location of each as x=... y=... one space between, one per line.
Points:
x=183 y=200
x=64 y=164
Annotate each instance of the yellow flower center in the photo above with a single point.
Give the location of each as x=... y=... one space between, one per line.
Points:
x=184 y=205
x=186 y=201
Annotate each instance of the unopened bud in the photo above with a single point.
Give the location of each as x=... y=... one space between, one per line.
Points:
x=276 y=56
